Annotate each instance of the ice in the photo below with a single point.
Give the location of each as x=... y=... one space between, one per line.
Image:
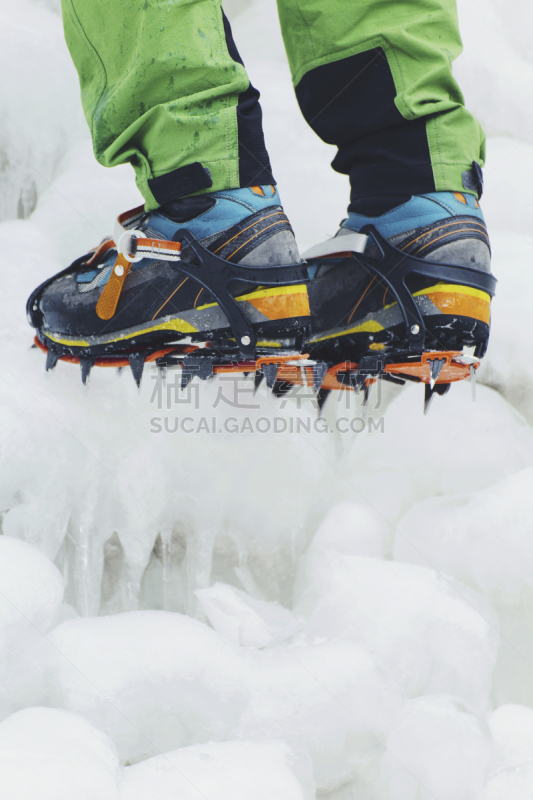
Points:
x=31 y=590
x=430 y=633
x=54 y=755
x=484 y=540
x=508 y=366
x=221 y=771
x=155 y=681
x=515 y=782
x=37 y=125
x=143 y=675
x=451 y=448
x=437 y=749
x=511 y=727
x=487 y=28
x=245 y=621
x=350 y=529
x=247 y=613
x=31 y=594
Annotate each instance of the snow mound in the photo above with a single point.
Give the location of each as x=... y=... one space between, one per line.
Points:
x=221 y=771
x=515 y=782
x=157 y=681
x=431 y=634
x=483 y=538
x=55 y=755
x=31 y=591
x=437 y=749
x=511 y=726
x=451 y=448
x=245 y=621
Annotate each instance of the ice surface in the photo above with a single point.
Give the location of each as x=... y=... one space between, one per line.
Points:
x=515 y=782
x=484 y=540
x=431 y=634
x=511 y=727
x=55 y=755
x=155 y=681
x=459 y=444
x=437 y=749
x=244 y=620
x=31 y=591
x=259 y=613
x=490 y=28
x=221 y=771
x=37 y=125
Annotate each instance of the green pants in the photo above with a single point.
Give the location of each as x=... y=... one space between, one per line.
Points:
x=163 y=88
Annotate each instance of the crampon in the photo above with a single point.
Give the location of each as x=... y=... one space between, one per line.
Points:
x=434 y=351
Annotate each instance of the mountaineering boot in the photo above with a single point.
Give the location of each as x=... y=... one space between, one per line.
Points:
x=148 y=288
x=435 y=246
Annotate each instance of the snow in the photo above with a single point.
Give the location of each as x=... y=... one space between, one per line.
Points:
x=431 y=634
x=32 y=588
x=511 y=726
x=244 y=620
x=247 y=614
x=54 y=755
x=215 y=770
x=437 y=749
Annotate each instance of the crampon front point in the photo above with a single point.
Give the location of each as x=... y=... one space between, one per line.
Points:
x=433 y=350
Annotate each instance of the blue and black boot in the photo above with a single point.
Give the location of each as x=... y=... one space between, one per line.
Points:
x=399 y=282
x=160 y=284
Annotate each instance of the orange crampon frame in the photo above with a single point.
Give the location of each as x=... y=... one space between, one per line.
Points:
x=435 y=369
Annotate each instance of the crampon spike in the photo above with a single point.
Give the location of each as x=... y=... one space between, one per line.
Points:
x=205 y=369
x=321 y=397
x=258 y=380
x=51 y=360
x=281 y=388
x=366 y=395
x=86 y=364
x=435 y=366
x=137 y=366
x=439 y=388
x=356 y=380
x=473 y=381
x=442 y=388
x=270 y=371
x=186 y=377
x=319 y=373
x=428 y=397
